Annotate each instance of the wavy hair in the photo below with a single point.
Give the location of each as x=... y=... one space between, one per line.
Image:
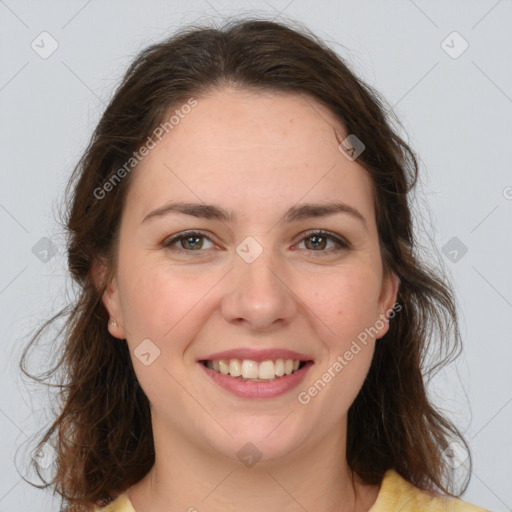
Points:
x=102 y=431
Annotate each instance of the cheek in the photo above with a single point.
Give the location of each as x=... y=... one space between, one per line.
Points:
x=142 y=301
x=344 y=308
x=159 y=302
x=346 y=302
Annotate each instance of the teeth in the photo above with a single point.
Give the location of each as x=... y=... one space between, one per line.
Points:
x=248 y=369
x=223 y=366
x=267 y=370
x=235 y=368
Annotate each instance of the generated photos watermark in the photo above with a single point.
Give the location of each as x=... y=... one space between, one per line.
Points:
x=304 y=397
x=151 y=142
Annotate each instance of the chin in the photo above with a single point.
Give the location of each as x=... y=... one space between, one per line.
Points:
x=258 y=440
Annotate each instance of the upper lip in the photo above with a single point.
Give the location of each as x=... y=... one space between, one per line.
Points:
x=258 y=355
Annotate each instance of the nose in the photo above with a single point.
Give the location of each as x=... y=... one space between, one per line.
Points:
x=258 y=294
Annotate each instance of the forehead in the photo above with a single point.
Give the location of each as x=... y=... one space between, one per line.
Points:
x=241 y=143
x=236 y=119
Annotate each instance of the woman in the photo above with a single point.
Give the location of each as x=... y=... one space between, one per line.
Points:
x=253 y=318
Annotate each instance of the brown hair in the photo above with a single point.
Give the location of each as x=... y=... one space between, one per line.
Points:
x=103 y=435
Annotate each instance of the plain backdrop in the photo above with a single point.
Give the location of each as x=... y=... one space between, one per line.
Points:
x=444 y=66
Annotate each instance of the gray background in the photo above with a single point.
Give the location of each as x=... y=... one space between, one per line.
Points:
x=456 y=113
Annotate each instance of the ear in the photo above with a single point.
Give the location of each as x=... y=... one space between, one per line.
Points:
x=387 y=299
x=110 y=299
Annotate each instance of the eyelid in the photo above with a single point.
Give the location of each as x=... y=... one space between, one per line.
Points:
x=342 y=242
x=172 y=239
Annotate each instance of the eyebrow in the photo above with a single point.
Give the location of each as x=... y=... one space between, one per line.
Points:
x=294 y=214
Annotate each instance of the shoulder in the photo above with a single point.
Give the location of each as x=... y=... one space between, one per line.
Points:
x=396 y=493
x=120 y=504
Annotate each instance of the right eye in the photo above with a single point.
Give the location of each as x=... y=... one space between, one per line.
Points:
x=190 y=241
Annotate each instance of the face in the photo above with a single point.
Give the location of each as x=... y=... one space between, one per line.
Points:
x=268 y=278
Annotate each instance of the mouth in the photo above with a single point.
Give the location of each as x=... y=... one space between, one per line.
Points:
x=249 y=379
x=247 y=370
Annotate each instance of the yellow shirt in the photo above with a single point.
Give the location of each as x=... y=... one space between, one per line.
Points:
x=395 y=494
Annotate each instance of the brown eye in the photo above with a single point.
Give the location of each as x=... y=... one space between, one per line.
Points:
x=317 y=241
x=190 y=242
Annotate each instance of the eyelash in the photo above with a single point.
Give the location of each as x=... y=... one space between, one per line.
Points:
x=342 y=244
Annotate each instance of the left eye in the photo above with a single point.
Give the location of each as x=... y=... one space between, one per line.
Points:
x=319 y=240
x=191 y=242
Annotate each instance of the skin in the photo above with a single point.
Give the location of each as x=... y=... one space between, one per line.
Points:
x=255 y=154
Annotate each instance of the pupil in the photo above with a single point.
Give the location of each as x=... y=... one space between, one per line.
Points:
x=316 y=238
x=187 y=240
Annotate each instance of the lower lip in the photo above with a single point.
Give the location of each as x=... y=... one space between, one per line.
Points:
x=279 y=386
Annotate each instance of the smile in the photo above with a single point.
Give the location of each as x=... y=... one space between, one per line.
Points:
x=249 y=370
x=251 y=379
